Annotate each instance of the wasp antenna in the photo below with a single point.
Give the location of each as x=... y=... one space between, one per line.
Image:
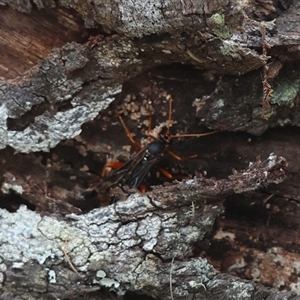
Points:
x=150 y=124
x=192 y=135
x=170 y=114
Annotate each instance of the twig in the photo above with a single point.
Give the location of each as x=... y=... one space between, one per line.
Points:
x=171 y=286
x=67 y=257
x=267 y=88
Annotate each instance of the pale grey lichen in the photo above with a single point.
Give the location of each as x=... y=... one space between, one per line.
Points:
x=108 y=283
x=62 y=125
x=218 y=104
x=143 y=19
x=2 y=278
x=80 y=255
x=3 y=126
x=137 y=204
x=149 y=245
x=111 y=241
x=51 y=276
x=26 y=236
x=18 y=265
x=230 y=48
x=3 y=269
x=149 y=227
x=127 y=231
x=7 y=188
x=243 y=290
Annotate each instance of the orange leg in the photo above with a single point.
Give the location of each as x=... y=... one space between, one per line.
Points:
x=143 y=188
x=168 y=175
x=112 y=165
x=128 y=133
x=117 y=164
x=177 y=157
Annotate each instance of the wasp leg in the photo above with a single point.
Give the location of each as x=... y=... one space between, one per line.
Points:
x=128 y=133
x=111 y=165
x=177 y=157
x=150 y=128
x=143 y=188
x=168 y=175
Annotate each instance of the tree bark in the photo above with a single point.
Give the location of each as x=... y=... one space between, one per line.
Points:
x=146 y=237
x=67 y=61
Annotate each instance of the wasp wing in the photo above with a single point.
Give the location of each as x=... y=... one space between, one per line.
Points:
x=122 y=175
x=134 y=171
x=140 y=172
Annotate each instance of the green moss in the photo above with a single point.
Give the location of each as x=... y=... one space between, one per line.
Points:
x=218 y=26
x=285 y=93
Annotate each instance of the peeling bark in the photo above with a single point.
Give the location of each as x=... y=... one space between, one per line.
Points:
x=77 y=81
x=137 y=238
x=64 y=96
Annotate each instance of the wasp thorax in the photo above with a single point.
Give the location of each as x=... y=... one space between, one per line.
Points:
x=156 y=148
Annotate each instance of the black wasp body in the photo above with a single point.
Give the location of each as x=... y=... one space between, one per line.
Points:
x=133 y=172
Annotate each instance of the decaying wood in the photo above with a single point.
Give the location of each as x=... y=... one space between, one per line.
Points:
x=225 y=68
x=137 y=238
x=75 y=82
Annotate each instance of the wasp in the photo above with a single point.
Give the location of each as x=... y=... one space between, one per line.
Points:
x=133 y=172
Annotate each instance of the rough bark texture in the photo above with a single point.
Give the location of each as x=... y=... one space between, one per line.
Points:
x=232 y=64
x=134 y=245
